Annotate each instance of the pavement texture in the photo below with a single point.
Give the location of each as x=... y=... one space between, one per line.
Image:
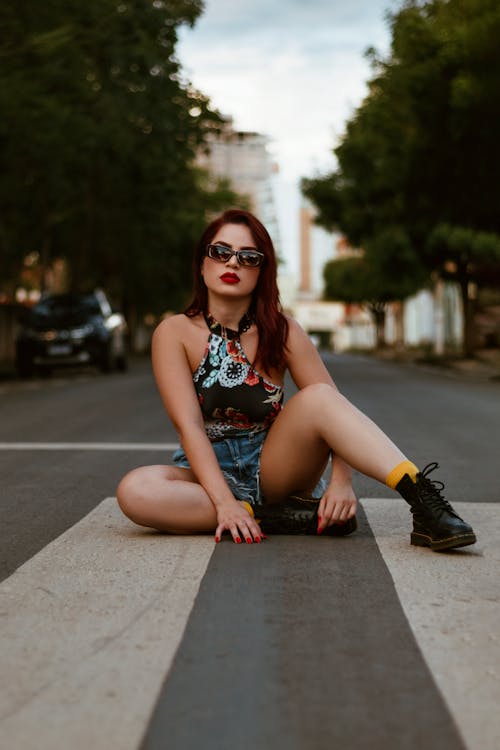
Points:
x=452 y=602
x=317 y=656
x=301 y=642
x=484 y=365
x=92 y=623
x=116 y=637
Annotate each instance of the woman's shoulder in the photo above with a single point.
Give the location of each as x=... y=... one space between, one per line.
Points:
x=295 y=330
x=182 y=334
x=298 y=342
x=180 y=325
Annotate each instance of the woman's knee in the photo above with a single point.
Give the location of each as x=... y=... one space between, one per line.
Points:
x=317 y=394
x=128 y=492
x=141 y=486
x=132 y=492
x=318 y=390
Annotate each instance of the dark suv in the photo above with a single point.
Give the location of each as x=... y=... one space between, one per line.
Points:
x=71 y=329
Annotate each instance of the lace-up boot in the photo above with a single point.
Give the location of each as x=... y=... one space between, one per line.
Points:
x=435 y=523
x=298 y=514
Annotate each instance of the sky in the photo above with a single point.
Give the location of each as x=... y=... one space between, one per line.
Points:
x=293 y=70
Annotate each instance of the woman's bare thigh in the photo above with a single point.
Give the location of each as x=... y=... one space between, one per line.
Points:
x=294 y=456
x=167 y=498
x=160 y=472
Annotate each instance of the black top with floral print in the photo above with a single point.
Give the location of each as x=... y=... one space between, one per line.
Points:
x=234 y=398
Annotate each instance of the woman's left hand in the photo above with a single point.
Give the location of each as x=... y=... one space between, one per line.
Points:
x=337 y=505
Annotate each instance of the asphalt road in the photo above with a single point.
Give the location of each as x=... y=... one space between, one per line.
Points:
x=432 y=416
x=287 y=645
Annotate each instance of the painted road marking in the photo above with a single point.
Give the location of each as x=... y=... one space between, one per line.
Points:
x=452 y=601
x=89 y=446
x=88 y=629
x=90 y=625
x=298 y=644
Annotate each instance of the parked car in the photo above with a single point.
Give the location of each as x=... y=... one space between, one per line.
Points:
x=71 y=329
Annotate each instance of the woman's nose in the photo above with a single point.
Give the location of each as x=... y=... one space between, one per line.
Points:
x=233 y=261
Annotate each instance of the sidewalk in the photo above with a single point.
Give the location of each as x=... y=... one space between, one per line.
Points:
x=485 y=365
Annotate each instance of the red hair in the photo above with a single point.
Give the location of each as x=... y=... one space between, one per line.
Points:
x=265 y=307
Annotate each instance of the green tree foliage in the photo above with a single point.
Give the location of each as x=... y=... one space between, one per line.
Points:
x=351 y=280
x=98 y=136
x=359 y=280
x=421 y=151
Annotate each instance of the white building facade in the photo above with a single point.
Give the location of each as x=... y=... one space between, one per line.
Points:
x=431 y=318
x=242 y=158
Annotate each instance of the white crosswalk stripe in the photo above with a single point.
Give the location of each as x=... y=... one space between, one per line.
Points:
x=452 y=602
x=89 y=626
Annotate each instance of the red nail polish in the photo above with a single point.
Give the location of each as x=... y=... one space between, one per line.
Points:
x=257 y=539
x=249 y=541
x=237 y=540
x=217 y=538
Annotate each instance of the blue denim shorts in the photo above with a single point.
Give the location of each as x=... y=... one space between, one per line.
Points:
x=239 y=459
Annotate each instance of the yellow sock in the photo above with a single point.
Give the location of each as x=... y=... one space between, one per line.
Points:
x=395 y=476
x=248 y=507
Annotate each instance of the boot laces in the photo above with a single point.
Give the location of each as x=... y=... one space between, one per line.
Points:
x=430 y=490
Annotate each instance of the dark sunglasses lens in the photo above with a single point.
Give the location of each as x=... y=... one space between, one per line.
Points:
x=217 y=252
x=247 y=258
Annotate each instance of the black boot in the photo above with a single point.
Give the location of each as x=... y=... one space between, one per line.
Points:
x=435 y=523
x=297 y=515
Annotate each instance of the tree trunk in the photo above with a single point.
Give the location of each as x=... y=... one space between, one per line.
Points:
x=439 y=337
x=468 y=306
x=399 y=324
x=45 y=262
x=377 y=310
x=131 y=316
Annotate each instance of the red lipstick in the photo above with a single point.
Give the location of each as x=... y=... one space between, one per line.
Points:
x=230 y=278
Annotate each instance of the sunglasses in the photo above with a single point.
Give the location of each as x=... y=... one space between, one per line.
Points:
x=249 y=258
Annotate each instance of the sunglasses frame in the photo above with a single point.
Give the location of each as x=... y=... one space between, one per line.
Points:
x=238 y=253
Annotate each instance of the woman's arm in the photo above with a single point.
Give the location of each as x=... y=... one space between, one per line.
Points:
x=175 y=384
x=306 y=368
x=303 y=361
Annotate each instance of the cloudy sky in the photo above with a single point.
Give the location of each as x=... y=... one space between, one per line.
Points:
x=291 y=69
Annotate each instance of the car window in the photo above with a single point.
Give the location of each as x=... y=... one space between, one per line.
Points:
x=65 y=310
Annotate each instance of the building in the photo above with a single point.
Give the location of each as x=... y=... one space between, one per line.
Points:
x=429 y=318
x=242 y=158
x=316 y=247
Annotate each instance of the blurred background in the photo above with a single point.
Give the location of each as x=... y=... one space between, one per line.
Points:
x=365 y=135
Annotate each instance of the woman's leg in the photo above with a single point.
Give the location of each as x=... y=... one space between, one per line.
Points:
x=319 y=419
x=315 y=421
x=166 y=498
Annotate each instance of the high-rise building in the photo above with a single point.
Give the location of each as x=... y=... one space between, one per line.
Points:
x=242 y=157
x=316 y=247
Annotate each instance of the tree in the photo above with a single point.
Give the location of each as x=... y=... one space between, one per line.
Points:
x=416 y=153
x=366 y=281
x=99 y=135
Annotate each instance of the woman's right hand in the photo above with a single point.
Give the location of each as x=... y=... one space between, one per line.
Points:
x=236 y=519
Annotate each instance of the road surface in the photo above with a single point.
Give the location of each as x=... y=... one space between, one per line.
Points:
x=117 y=637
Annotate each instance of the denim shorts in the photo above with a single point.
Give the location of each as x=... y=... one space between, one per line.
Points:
x=239 y=459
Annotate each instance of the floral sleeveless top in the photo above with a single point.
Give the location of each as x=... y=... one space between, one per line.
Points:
x=234 y=398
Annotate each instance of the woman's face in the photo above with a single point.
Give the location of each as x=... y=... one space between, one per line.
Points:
x=230 y=278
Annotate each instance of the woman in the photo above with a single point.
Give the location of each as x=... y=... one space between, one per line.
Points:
x=245 y=459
